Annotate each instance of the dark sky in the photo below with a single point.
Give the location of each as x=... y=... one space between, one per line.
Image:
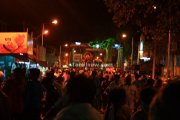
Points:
x=80 y=20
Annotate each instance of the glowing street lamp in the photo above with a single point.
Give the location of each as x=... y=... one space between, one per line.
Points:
x=132 y=45
x=46 y=31
x=54 y=21
x=66 y=54
x=97 y=46
x=124 y=35
x=154 y=6
x=66 y=45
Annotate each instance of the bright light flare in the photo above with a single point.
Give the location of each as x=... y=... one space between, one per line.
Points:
x=66 y=45
x=66 y=54
x=78 y=43
x=124 y=35
x=154 y=7
x=45 y=32
x=97 y=46
x=55 y=21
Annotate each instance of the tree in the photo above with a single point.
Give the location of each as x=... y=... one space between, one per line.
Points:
x=154 y=18
x=103 y=44
x=107 y=45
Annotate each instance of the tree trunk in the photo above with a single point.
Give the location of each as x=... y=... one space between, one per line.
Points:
x=107 y=55
x=154 y=62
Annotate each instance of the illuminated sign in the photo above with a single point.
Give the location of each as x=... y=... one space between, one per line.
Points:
x=77 y=57
x=13 y=42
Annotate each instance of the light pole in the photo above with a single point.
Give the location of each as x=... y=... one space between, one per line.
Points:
x=132 y=46
x=132 y=51
x=44 y=31
x=42 y=35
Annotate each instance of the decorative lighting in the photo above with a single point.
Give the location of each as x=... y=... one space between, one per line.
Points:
x=97 y=46
x=78 y=43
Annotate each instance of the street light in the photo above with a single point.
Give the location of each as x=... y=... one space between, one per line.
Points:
x=124 y=35
x=55 y=21
x=66 y=45
x=132 y=45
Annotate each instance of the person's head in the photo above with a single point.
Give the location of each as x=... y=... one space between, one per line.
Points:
x=34 y=73
x=128 y=80
x=158 y=83
x=117 y=78
x=147 y=95
x=150 y=82
x=19 y=72
x=166 y=104
x=81 y=89
x=94 y=73
x=117 y=96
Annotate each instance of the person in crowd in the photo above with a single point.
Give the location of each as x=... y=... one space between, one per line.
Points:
x=81 y=91
x=117 y=107
x=14 y=89
x=146 y=97
x=98 y=89
x=104 y=91
x=158 y=83
x=5 y=113
x=66 y=77
x=33 y=96
x=149 y=83
x=166 y=104
x=132 y=93
x=116 y=83
x=52 y=93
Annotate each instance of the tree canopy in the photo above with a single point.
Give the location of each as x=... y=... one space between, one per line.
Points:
x=153 y=17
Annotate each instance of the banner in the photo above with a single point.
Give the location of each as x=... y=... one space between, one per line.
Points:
x=13 y=42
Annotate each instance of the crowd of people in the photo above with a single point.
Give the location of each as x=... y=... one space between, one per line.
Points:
x=87 y=95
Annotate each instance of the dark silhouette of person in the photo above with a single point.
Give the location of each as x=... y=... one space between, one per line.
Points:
x=81 y=91
x=146 y=97
x=14 y=89
x=117 y=108
x=33 y=95
x=166 y=104
x=5 y=113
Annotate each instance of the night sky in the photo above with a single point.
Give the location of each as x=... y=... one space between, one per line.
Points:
x=80 y=20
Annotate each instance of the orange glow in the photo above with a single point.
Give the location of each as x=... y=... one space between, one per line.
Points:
x=54 y=21
x=124 y=35
x=66 y=54
x=45 y=32
x=66 y=45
